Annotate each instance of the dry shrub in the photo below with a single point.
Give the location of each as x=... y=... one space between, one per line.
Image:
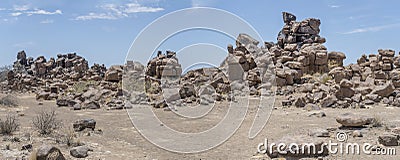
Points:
x=377 y=122
x=46 y=122
x=9 y=125
x=9 y=101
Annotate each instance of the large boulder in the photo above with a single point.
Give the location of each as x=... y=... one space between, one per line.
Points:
x=384 y=90
x=80 y=151
x=244 y=40
x=114 y=74
x=47 y=152
x=80 y=125
x=353 y=120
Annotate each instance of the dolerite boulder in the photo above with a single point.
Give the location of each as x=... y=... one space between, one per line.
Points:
x=47 y=152
x=345 y=90
x=81 y=125
x=353 y=120
x=384 y=90
x=389 y=139
x=114 y=74
x=80 y=151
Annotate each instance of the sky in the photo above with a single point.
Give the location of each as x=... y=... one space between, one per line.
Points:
x=103 y=31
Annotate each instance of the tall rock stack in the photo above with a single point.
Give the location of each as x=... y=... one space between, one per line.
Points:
x=164 y=65
x=335 y=59
x=300 y=51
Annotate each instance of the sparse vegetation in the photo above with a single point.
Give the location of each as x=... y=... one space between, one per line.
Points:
x=9 y=101
x=322 y=78
x=82 y=87
x=377 y=122
x=79 y=87
x=9 y=125
x=46 y=122
x=67 y=136
x=325 y=78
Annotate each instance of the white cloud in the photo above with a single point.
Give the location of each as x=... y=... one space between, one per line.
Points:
x=137 y=8
x=113 y=11
x=47 y=21
x=21 y=8
x=372 y=29
x=92 y=16
x=16 y=14
x=334 y=6
x=2 y=9
x=43 y=12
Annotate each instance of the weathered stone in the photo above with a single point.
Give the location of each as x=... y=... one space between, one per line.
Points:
x=311 y=107
x=344 y=93
x=389 y=139
x=346 y=83
x=92 y=105
x=80 y=151
x=353 y=120
x=244 y=39
x=288 y=17
x=81 y=125
x=328 y=101
x=47 y=152
x=319 y=133
x=384 y=90
x=300 y=102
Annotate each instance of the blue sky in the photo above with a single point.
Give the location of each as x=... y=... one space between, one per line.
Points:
x=102 y=31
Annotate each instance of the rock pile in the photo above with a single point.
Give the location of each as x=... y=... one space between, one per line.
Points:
x=300 y=51
x=298 y=63
x=164 y=65
x=69 y=80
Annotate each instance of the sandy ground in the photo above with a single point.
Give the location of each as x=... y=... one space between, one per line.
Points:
x=120 y=140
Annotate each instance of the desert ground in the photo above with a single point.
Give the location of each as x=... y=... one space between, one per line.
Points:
x=116 y=138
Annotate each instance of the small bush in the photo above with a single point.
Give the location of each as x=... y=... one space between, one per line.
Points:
x=80 y=87
x=9 y=101
x=46 y=122
x=68 y=137
x=325 y=78
x=377 y=122
x=9 y=125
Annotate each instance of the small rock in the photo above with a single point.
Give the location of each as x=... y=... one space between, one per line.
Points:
x=389 y=139
x=80 y=152
x=318 y=114
x=312 y=107
x=357 y=134
x=319 y=133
